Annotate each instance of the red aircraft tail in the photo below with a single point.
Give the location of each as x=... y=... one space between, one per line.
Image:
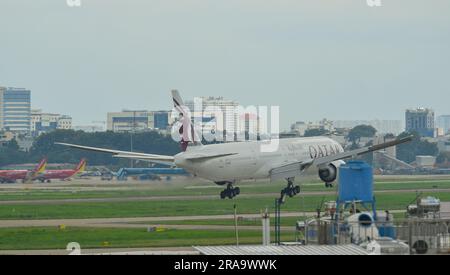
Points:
x=81 y=166
x=40 y=168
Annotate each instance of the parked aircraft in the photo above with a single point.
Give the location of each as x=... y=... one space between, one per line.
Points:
x=229 y=163
x=11 y=176
x=49 y=175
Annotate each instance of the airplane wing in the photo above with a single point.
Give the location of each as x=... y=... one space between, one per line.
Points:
x=291 y=170
x=295 y=169
x=161 y=159
x=358 y=152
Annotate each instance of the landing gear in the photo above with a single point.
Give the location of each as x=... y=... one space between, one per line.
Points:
x=328 y=185
x=230 y=192
x=290 y=190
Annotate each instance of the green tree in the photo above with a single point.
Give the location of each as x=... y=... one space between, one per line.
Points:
x=443 y=158
x=408 y=152
x=145 y=142
x=316 y=132
x=13 y=145
x=11 y=154
x=361 y=131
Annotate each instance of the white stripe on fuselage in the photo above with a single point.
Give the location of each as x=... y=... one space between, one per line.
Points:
x=250 y=162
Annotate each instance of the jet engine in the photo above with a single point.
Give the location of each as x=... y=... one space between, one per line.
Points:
x=329 y=173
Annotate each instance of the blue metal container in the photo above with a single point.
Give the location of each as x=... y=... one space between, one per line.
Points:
x=356 y=182
x=387 y=231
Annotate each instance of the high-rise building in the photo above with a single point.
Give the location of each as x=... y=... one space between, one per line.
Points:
x=15 y=110
x=444 y=123
x=421 y=120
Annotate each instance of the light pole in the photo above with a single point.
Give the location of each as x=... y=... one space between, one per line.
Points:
x=133 y=128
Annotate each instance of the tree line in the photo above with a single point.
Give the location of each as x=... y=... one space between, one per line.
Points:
x=44 y=146
x=156 y=143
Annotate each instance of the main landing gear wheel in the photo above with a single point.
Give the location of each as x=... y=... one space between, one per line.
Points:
x=230 y=192
x=328 y=185
x=290 y=191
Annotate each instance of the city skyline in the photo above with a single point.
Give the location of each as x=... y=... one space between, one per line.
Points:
x=312 y=64
x=383 y=126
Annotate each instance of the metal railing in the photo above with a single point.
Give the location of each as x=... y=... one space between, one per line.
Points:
x=424 y=236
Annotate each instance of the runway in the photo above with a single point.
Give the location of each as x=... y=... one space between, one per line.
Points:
x=194 y=197
x=145 y=222
x=184 y=251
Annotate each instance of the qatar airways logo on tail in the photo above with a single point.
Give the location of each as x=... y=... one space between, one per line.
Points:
x=226 y=122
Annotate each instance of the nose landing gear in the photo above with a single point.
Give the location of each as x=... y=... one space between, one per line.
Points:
x=290 y=190
x=230 y=192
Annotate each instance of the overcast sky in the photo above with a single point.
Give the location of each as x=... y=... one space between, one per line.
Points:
x=314 y=58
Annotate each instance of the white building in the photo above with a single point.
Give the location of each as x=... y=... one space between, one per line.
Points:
x=45 y=122
x=443 y=144
x=299 y=127
x=425 y=161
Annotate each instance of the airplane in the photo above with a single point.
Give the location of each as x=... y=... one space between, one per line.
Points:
x=11 y=176
x=49 y=175
x=229 y=163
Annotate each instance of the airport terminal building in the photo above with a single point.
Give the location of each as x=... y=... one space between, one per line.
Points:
x=15 y=110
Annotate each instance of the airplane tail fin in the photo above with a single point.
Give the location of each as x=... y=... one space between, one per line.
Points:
x=81 y=167
x=40 y=168
x=187 y=130
x=177 y=100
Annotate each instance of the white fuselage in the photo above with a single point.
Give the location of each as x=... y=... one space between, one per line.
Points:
x=249 y=161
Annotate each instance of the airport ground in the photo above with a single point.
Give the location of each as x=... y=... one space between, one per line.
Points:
x=184 y=212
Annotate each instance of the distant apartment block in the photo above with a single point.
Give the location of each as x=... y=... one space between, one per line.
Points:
x=444 y=123
x=300 y=127
x=15 y=110
x=421 y=120
x=138 y=120
x=46 y=122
